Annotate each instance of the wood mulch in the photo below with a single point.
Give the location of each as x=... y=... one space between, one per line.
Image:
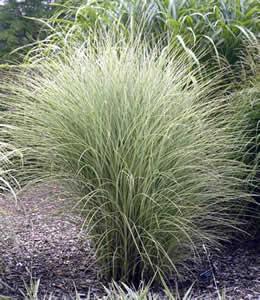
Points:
x=39 y=239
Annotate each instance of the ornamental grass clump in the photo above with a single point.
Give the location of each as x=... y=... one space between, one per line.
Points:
x=146 y=143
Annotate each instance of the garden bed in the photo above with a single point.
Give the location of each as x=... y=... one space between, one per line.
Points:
x=41 y=242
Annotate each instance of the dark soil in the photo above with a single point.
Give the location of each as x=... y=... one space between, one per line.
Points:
x=38 y=241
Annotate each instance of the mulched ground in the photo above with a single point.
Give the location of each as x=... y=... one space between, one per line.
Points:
x=39 y=241
x=231 y=274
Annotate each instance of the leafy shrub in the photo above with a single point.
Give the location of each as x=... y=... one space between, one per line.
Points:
x=147 y=145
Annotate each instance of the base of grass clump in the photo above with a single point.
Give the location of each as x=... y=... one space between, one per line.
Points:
x=139 y=136
x=55 y=259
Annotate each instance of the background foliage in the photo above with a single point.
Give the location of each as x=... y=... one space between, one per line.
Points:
x=16 y=29
x=216 y=28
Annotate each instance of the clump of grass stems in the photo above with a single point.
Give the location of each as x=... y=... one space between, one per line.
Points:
x=246 y=101
x=8 y=153
x=146 y=144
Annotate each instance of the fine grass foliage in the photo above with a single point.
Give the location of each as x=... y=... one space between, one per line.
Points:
x=147 y=144
x=8 y=153
x=119 y=291
x=246 y=101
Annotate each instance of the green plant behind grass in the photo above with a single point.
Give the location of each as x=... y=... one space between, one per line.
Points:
x=146 y=145
x=218 y=28
x=223 y=25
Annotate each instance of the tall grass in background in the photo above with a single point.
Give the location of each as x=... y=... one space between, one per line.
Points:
x=147 y=145
x=220 y=29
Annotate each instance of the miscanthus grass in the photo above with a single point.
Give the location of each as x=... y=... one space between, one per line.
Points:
x=148 y=145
